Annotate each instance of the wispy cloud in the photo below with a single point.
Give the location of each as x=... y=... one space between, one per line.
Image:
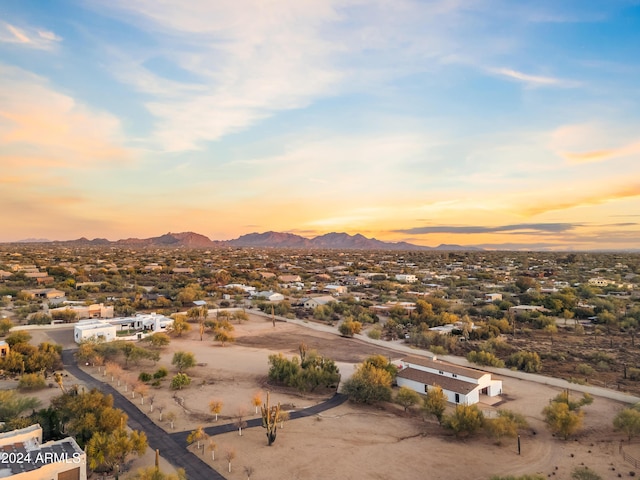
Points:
x=596 y=141
x=602 y=155
x=533 y=80
x=244 y=69
x=597 y=198
x=51 y=128
x=30 y=37
x=476 y=229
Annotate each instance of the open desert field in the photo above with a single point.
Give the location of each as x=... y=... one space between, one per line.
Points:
x=352 y=441
x=356 y=442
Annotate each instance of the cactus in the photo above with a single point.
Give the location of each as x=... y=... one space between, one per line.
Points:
x=270 y=415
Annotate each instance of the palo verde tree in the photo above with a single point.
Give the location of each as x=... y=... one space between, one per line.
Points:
x=435 y=403
x=370 y=383
x=563 y=415
x=107 y=450
x=628 y=422
x=464 y=421
x=183 y=361
x=407 y=397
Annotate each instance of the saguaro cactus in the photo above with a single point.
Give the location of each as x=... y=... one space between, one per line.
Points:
x=270 y=417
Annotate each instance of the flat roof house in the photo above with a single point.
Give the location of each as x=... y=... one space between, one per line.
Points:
x=23 y=456
x=96 y=329
x=461 y=385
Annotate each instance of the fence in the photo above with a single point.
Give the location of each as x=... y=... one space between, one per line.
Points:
x=629 y=458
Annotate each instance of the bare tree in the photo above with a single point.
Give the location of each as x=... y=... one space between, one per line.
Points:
x=249 y=470
x=239 y=422
x=229 y=455
x=171 y=417
x=212 y=447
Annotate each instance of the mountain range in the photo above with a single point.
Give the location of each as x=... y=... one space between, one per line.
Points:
x=336 y=241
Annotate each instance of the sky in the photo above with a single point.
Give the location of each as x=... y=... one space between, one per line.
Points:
x=499 y=124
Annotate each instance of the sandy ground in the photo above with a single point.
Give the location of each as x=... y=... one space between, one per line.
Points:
x=355 y=442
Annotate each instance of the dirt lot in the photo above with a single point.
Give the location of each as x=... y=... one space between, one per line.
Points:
x=355 y=442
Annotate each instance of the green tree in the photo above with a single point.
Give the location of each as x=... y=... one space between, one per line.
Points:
x=628 y=422
x=106 y=450
x=349 y=328
x=180 y=325
x=368 y=384
x=87 y=413
x=506 y=424
x=179 y=381
x=154 y=473
x=464 y=421
x=222 y=331
x=484 y=358
x=12 y=404
x=562 y=420
x=5 y=326
x=67 y=315
x=158 y=340
x=407 y=397
x=435 y=403
x=526 y=361
x=32 y=381
x=183 y=361
x=40 y=318
x=16 y=337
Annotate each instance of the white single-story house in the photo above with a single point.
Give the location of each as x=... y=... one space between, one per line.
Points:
x=336 y=289
x=313 y=302
x=94 y=329
x=240 y=286
x=527 y=308
x=271 y=296
x=406 y=277
x=461 y=385
x=106 y=330
x=148 y=321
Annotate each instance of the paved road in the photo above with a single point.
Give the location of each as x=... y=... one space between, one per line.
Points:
x=337 y=399
x=158 y=439
x=173 y=446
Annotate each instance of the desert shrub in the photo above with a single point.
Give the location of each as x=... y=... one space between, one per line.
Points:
x=526 y=361
x=438 y=350
x=597 y=357
x=584 y=369
x=145 y=377
x=375 y=334
x=584 y=473
x=485 y=358
x=160 y=373
x=31 y=381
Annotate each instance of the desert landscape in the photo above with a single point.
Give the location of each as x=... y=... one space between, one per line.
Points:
x=354 y=441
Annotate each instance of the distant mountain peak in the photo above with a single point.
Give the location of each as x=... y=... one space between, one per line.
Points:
x=270 y=239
